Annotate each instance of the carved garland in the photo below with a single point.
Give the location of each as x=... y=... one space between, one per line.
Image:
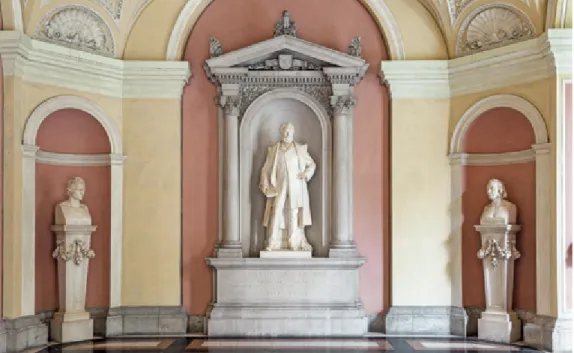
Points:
x=492 y=250
x=76 y=251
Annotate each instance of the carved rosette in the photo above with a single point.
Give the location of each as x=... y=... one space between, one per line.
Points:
x=77 y=27
x=342 y=105
x=492 y=251
x=77 y=252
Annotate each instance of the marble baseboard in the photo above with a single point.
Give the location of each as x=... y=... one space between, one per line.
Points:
x=197 y=324
x=377 y=322
x=146 y=320
x=473 y=313
x=546 y=333
x=426 y=320
x=22 y=333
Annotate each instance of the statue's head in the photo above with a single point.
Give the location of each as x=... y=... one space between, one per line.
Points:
x=76 y=188
x=287 y=130
x=495 y=189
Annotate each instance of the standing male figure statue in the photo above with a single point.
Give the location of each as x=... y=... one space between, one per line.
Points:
x=284 y=176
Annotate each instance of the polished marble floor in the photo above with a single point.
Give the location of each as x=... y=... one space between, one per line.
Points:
x=224 y=345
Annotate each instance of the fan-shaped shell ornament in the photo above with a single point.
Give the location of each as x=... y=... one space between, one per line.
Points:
x=494 y=27
x=78 y=28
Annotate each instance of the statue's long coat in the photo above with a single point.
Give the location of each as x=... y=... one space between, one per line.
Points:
x=269 y=178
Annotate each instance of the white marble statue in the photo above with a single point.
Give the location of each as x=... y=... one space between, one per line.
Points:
x=284 y=176
x=72 y=211
x=499 y=211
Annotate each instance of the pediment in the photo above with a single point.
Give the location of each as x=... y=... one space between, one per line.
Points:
x=285 y=52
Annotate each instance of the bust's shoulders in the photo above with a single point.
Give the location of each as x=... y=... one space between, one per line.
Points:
x=302 y=146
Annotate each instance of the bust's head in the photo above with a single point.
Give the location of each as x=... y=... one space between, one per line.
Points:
x=287 y=130
x=495 y=190
x=76 y=188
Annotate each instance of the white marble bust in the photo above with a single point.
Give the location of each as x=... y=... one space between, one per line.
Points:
x=72 y=211
x=283 y=180
x=499 y=211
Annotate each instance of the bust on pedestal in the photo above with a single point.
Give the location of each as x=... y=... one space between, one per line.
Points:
x=498 y=232
x=284 y=176
x=73 y=228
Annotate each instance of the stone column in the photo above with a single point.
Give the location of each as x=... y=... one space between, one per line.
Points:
x=230 y=244
x=342 y=244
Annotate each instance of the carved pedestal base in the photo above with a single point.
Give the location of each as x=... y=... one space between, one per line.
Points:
x=72 y=322
x=286 y=297
x=499 y=328
x=498 y=323
x=285 y=254
x=71 y=328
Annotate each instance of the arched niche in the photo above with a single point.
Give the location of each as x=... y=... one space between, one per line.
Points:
x=31 y=154
x=259 y=129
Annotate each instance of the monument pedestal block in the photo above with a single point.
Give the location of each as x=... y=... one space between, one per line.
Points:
x=502 y=327
x=286 y=297
x=72 y=322
x=498 y=252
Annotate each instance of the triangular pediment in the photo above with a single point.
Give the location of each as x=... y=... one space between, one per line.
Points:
x=287 y=52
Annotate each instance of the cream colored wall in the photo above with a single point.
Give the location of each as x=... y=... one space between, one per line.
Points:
x=152 y=202
x=420 y=189
x=20 y=99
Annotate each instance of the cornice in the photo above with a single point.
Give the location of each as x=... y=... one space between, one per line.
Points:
x=78 y=160
x=40 y=62
x=515 y=64
x=490 y=159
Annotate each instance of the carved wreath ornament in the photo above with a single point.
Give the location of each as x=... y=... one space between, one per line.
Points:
x=492 y=250
x=76 y=251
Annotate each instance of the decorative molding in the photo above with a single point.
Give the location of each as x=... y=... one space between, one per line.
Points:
x=489 y=159
x=50 y=64
x=77 y=251
x=72 y=102
x=113 y=7
x=78 y=160
x=491 y=26
x=502 y=100
x=285 y=26
x=193 y=8
x=519 y=63
x=494 y=252
x=78 y=27
x=561 y=45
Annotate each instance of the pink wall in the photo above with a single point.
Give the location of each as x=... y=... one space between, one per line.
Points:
x=569 y=181
x=1 y=177
x=240 y=23
x=500 y=130
x=72 y=131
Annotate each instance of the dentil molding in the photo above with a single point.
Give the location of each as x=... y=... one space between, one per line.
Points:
x=55 y=65
x=518 y=63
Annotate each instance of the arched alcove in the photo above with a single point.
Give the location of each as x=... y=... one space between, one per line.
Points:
x=260 y=129
x=71 y=132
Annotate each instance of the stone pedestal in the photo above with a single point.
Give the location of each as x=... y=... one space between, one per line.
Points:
x=498 y=323
x=286 y=297
x=72 y=322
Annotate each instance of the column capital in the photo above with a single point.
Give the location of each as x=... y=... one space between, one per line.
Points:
x=230 y=104
x=343 y=104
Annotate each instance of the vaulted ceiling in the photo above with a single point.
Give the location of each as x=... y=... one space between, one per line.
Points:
x=467 y=26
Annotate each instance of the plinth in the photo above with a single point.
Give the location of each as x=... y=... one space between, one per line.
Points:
x=72 y=322
x=499 y=322
x=286 y=297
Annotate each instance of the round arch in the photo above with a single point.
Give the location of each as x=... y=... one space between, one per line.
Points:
x=499 y=101
x=193 y=9
x=71 y=102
